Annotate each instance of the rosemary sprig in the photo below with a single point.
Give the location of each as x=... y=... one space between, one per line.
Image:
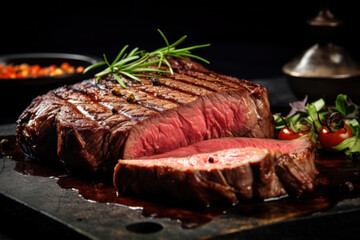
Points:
x=135 y=63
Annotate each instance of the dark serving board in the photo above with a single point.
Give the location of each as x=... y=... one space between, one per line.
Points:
x=48 y=199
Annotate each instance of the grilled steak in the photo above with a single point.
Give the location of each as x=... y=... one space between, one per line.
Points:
x=88 y=126
x=223 y=170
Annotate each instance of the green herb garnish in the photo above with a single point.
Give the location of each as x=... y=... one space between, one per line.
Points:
x=137 y=62
x=315 y=117
x=343 y=106
x=350 y=146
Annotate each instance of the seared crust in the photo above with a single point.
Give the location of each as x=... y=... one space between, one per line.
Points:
x=86 y=125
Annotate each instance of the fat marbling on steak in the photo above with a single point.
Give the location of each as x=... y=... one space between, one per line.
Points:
x=223 y=170
x=88 y=126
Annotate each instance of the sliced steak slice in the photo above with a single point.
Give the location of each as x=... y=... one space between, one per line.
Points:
x=88 y=126
x=223 y=170
x=224 y=114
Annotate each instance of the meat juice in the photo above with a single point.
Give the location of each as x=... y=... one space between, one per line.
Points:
x=338 y=179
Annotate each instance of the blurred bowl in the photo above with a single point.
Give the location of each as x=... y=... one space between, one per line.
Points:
x=327 y=88
x=46 y=59
x=324 y=70
x=16 y=94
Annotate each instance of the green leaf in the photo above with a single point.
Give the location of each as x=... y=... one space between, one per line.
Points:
x=187 y=49
x=197 y=57
x=119 y=80
x=353 y=124
x=292 y=122
x=169 y=65
x=119 y=55
x=342 y=106
x=149 y=70
x=129 y=75
x=125 y=60
x=350 y=145
x=319 y=104
x=95 y=65
x=163 y=36
x=180 y=40
x=140 y=63
x=311 y=135
x=313 y=113
x=279 y=122
x=106 y=61
x=133 y=52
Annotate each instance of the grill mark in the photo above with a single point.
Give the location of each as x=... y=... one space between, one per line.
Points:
x=179 y=87
x=110 y=120
x=83 y=104
x=167 y=80
x=185 y=87
x=167 y=93
x=186 y=90
x=168 y=89
x=186 y=64
x=223 y=80
x=87 y=91
x=250 y=86
x=120 y=105
x=209 y=85
x=56 y=93
x=174 y=90
x=142 y=98
x=178 y=99
x=126 y=115
x=210 y=75
x=210 y=78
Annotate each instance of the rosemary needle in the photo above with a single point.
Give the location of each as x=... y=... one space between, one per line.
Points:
x=136 y=62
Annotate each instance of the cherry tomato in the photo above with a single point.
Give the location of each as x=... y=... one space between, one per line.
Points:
x=329 y=139
x=34 y=70
x=288 y=134
x=80 y=69
x=65 y=65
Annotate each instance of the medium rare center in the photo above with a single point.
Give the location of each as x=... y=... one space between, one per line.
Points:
x=214 y=116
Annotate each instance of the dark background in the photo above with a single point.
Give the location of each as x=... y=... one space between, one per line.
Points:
x=250 y=38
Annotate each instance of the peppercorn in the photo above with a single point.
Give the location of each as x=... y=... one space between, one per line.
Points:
x=130 y=98
x=116 y=91
x=155 y=81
